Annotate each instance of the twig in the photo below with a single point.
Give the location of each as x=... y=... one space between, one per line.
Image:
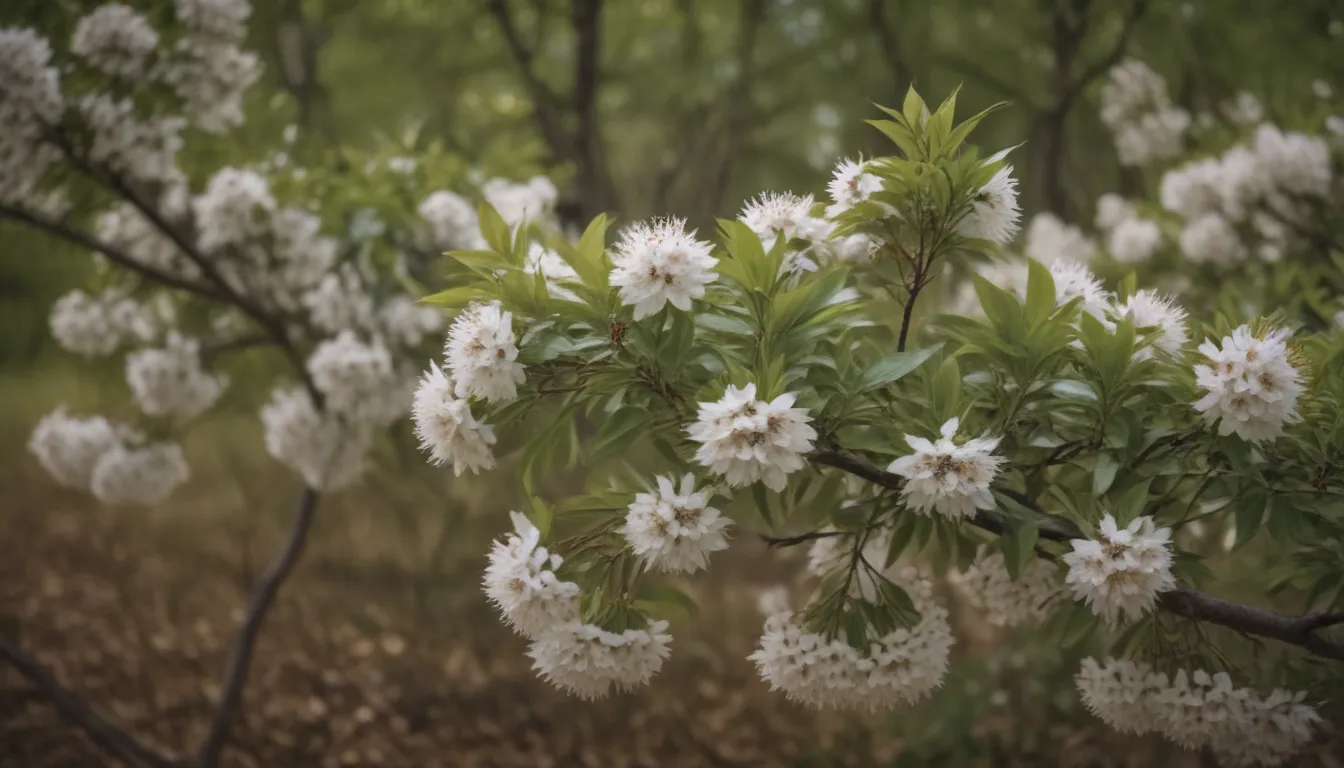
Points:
x=258 y=604
x=76 y=711
x=83 y=239
x=776 y=542
x=1182 y=601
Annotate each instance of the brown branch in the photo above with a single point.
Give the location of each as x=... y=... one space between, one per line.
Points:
x=1182 y=601
x=75 y=710
x=83 y=239
x=1105 y=63
x=545 y=102
x=258 y=605
x=595 y=185
x=777 y=542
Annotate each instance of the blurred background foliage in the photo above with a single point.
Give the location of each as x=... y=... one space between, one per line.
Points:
x=639 y=108
x=643 y=107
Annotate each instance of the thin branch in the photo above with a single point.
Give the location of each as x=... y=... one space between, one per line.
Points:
x=777 y=542
x=77 y=712
x=544 y=99
x=1105 y=63
x=83 y=239
x=258 y=605
x=1182 y=601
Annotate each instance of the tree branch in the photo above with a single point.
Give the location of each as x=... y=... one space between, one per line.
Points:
x=1104 y=64
x=1182 y=601
x=83 y=239
x=258 y=605
x=77 y=712
x=544 y=100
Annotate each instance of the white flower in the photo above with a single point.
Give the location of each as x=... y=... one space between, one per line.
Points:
x=553 y=269
x=532 y=201
x=1251 y=387
x=849 y=186
x=1112 y=211
x=340 y=301
x=1134 y=240
x=588 y=661
x=115 y=39
x=326 y=451
x=1296 y=164
x=994 y=213
x=1149 y=310
x=225 y=19
x=1198 y=710
x=1121 y=575
x=947 y=478
x=452 y=221
x=144 y=476
x=30 y=100
x=446 y=428
x=69 y=448
x=357 y=379
x=900 y=667
x=95 y=326
x=235 y=207
x=745 y=439
x=1210 y=239
x=1003 y=601
x=675 y=530
x=126 y=229
x=1050 y=241
x=1153 y=137
x=482 y=355
x=406 y=322
x=170 y=382
x=1074 y=281
x=1120 y=692
x=1194 y=189
x=776 y=215
x=521 y=582
x=145 y=150
x=657 y=262
x=211 y=76
x=304 y=255
x=1274 y=728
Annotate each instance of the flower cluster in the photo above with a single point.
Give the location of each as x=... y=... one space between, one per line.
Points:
x=482 y=355
x=1138 y=111
x=30 y=101
x=675 y=529
x=946 y=477
x=357 y=379
x=95 y=326
x=1121 y=574
x=115 y=40
x=452 y=221
x=170 y=382
x=902 y=666
x=745 y=439
x=1150 y=311
x=1198 y=710
x=521 y=582
x=446 y=428
x=1251 y=387
x=1003 y=600
x=327 y=451
x=582 y=658
x=994 y=213
x=112 y=462
x=1130 y=238
x=658 y=262
x=1051 y=241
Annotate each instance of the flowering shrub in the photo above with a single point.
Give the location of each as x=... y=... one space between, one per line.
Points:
x=1079 y=437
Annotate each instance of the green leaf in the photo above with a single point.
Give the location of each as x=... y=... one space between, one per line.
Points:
x=1040 y=293
x=1019 y=546
x=541 y=516
x=1103 y=474
x=1249 y=512
x=946 y=394
x=495 y=230
x=656 y=599
x=617 y=433
x=895 y=366
x=1131 y=503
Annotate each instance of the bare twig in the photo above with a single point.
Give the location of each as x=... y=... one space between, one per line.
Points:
x=1182 y=601
x=777 y=542
x=258 y=605
x=75 y=710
